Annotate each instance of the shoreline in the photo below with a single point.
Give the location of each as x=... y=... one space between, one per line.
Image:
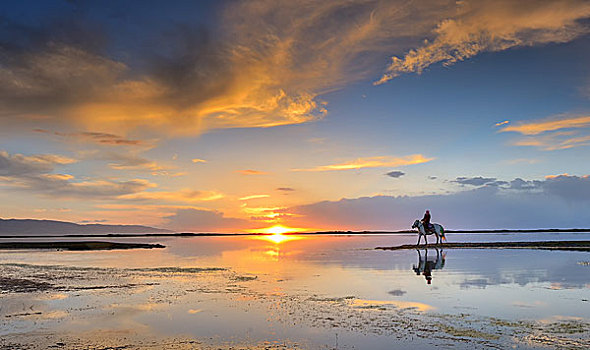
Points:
x=356 y=233
x=583 y=246
x=80 y=245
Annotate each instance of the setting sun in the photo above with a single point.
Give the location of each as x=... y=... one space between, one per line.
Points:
x=279 y=229
x=276 y=233
x=279 y=238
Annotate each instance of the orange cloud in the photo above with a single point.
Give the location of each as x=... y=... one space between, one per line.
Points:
x=502 y=123
x=197 y=160
x=100 y=138
x=268 y=66
x=565 y=175
x=149 y=207
x=251 y=172
x=185 y=195
x=551 y=124
x=372 y=162
x=255 y=196
x=97 y=94
x=42 y=159
x=555 y=133
x=57 y=176
x=555 y=141
x=493 y=25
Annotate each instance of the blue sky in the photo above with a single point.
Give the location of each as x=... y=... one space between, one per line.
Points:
x=234 y=116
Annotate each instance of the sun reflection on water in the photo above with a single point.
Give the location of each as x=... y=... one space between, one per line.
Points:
x=279 y=238
x=277 y=234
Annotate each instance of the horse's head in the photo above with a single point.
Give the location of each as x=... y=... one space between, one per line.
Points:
x=416 y=224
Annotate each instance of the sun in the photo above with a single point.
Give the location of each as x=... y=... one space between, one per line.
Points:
x=279 y=230
x=276 y=230
x=279 y=238
x=277 y=233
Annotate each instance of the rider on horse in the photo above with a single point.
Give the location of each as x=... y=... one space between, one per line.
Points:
x=426 y=222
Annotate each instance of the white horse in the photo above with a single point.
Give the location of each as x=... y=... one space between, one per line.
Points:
x=439 y=231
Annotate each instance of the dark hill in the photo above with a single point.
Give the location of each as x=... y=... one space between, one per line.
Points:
x=30 y=227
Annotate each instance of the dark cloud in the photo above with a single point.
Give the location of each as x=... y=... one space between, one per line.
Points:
x=575 y=188
x=520 y=184
x=128 y=161
x=21 y=165
x=200 y=220
x=285 y=189
x=93 y=221
x=569 y=187
x=480 y=283
x=432 y=177
x=517 y=184
x=192 y=60
x=63 y=186
x=240 y=63
x=72 y=69
x=559 y=201
x=397 y=292
x=497 y=183
x=35 y=173
x=474 y=181
x=99 y=138
x=395 y=174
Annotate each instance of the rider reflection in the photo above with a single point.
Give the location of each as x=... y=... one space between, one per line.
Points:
x=428 y=263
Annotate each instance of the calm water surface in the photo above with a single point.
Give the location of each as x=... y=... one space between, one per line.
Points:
x=307 y=291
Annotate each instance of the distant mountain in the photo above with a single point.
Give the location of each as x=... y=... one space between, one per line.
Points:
x=30 y=227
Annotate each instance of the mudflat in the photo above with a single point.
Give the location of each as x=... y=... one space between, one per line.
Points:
x=81 y=245
x=583 y=246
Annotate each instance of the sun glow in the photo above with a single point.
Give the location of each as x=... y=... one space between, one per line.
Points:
x=279 y=238
x=276 y=233
x=279 y=229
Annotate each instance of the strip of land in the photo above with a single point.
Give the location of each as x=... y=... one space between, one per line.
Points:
x=327 y=233
x=82 y=245
x=583 y=246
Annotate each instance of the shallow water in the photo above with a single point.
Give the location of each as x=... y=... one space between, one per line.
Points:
x=317 y=292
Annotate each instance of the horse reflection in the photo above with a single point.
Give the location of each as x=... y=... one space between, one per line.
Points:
x=428 y=263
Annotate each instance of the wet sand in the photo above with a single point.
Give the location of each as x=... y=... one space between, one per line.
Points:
x=80 y=245
x=406 y=324
x=583 y=246
x=95 y=293
x=58 y=305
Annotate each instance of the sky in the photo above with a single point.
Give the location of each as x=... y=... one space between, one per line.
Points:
x=232 y=116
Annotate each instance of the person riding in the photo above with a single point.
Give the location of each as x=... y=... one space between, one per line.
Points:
x=426 y=221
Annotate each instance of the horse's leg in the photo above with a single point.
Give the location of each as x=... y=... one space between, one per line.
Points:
x=437 y=238
x=426 y=239
x=419 y=236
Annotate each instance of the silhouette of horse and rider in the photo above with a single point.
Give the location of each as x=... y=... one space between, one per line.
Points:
x=426 y=264
x=425 y=228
